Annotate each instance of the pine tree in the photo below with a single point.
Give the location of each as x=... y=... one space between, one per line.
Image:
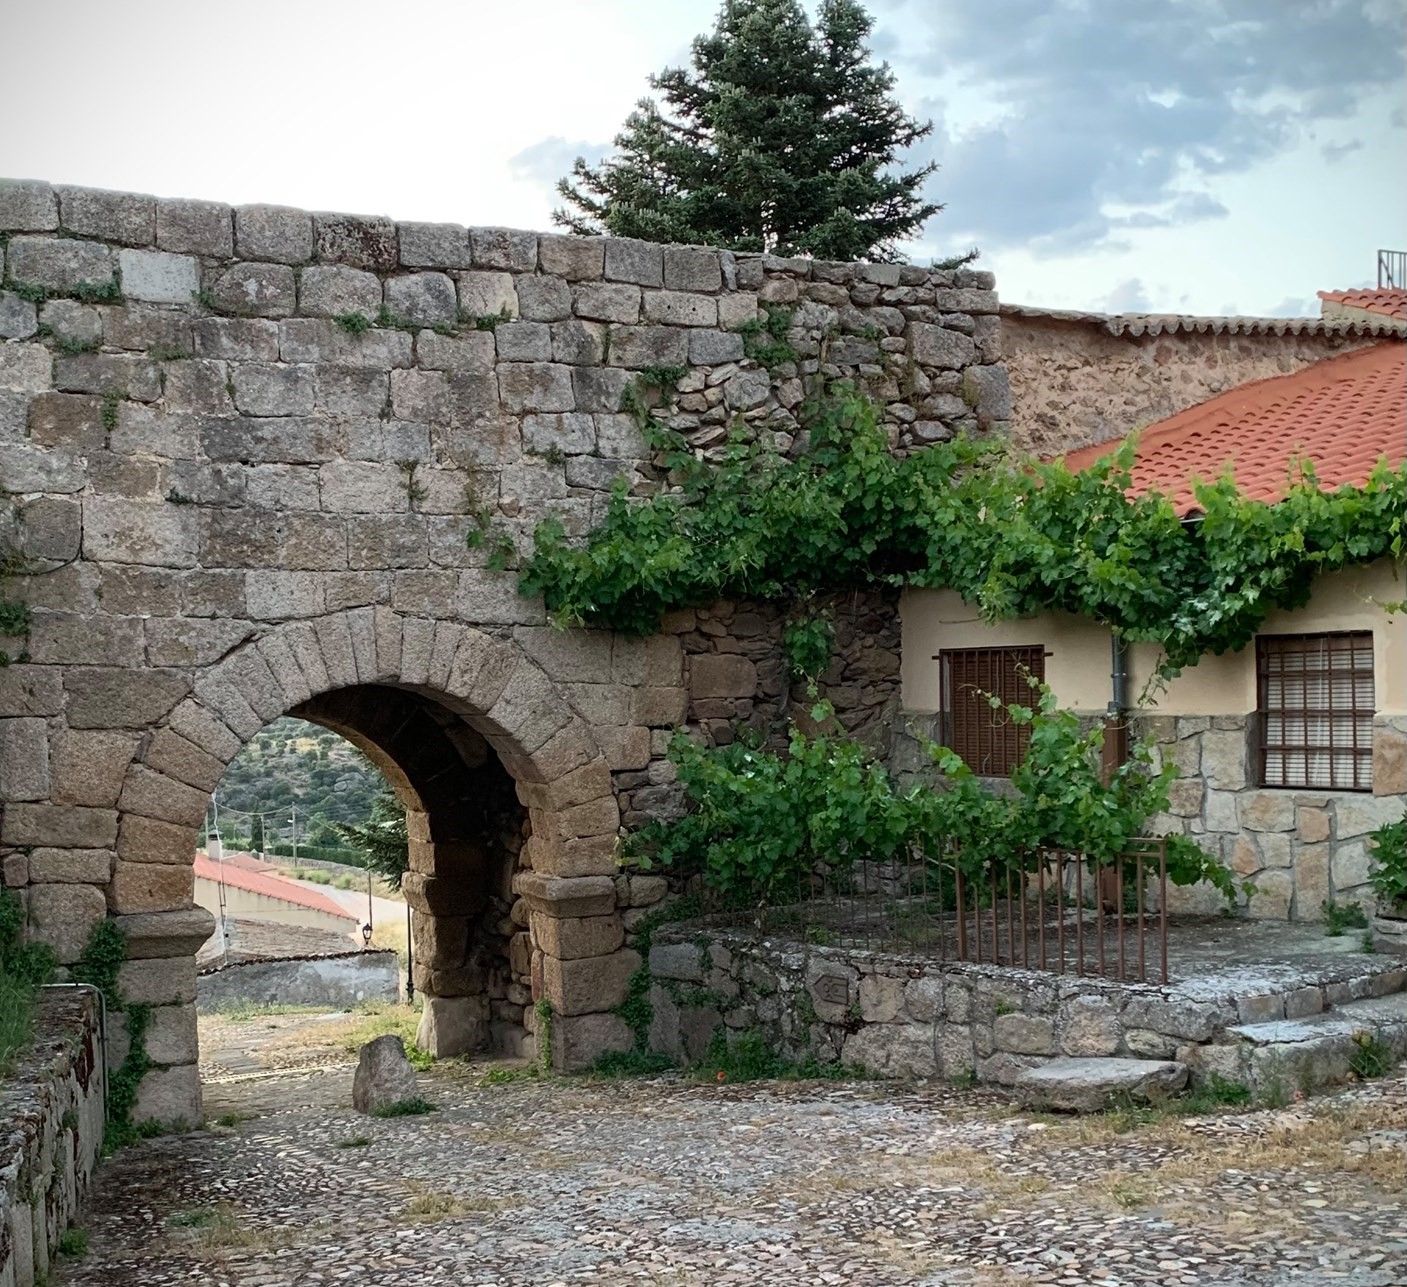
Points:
x=383 y=839
x=783 y=137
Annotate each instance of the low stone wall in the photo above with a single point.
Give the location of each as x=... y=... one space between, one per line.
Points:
x=918 y=1017
x=320 y=980
x=52 y=1112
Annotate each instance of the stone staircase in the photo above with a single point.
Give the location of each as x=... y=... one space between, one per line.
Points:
x=1277 y=1030
x=1280 y=1056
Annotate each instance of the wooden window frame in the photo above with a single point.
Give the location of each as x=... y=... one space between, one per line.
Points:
x=994 y=746
x=1348 y=765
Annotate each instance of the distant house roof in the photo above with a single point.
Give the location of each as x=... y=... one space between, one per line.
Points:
x=247 y=938
x=1386 y=301
x=237 y=875
x=1344 y=414
x=1174 y=323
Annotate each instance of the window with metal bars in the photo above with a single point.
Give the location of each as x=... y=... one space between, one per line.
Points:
x=1315 y=704
x=986 y=739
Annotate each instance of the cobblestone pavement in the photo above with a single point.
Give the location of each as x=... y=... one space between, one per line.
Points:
x=668 y=1181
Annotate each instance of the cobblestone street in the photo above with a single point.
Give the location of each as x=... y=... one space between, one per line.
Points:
x=516 y=1180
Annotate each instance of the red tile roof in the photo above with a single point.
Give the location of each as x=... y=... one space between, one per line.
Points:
x=1386 y=301
x=238 y=876
x=1154 y=324
x=1343 y=414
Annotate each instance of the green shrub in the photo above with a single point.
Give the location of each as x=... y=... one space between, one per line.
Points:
x=24 y=967
x=1389 y=874
x=73 y=1243
x=761 y=823
x=1371 y=1056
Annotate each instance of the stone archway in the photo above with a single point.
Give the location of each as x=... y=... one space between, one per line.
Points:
x=415 y=692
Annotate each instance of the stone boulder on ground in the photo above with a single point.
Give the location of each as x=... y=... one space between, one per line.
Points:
x=384 y=1075
x=1090 y=1085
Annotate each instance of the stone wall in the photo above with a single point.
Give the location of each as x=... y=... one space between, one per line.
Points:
x=243 y=451
x=334 y=981
x=52 y=1118
x=1299 y=849
x=1080 y=379
x=914 y=1016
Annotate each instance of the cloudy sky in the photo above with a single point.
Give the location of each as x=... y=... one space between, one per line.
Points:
x=1178 y=155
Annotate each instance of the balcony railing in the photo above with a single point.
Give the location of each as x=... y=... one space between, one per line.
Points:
x=1392 y=269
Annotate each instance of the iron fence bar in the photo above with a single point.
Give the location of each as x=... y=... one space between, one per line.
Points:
x=1392 y=269
x=996 y=940
x=961 y=927
x=1080 y=916
x=1142 y=927
x=1010 y=937
x=1120 y=913
x=1163 y=905
x=1040 y=903
x=1025 y=934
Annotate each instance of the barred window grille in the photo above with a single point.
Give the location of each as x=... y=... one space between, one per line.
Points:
x=987 y=740
x=1315 y=699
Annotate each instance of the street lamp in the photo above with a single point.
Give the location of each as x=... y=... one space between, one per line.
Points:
x=366 y=935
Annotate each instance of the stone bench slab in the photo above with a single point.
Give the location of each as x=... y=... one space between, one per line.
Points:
x=1089 y=1085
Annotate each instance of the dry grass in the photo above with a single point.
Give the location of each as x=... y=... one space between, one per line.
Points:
x=390 y=935
x=431 y=1205
x=219 y=1228
x=1321 y=1142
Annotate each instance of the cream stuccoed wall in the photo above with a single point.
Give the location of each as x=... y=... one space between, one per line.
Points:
x=1078 y=660
x=244 y=902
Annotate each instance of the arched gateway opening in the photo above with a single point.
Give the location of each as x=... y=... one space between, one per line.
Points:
x=466 y=830
x=511 y=819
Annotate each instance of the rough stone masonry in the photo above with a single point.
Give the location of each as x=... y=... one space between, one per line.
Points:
x=236 y=502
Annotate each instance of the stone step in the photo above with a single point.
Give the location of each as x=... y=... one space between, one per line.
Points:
x=1090 y=1085
x=1342 y=1020
x=1264 y=993
x=1286 y=1055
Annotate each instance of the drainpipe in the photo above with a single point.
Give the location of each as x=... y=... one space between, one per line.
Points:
x=1116 y=745
x=1116 y=729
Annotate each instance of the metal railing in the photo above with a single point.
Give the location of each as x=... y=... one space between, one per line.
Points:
x=1392 y=269
x=1060 y=912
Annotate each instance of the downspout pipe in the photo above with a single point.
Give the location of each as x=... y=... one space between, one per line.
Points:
x=1116 y=728
x=1118 y=675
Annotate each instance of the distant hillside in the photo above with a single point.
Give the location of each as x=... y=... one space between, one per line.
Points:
x=293 y=762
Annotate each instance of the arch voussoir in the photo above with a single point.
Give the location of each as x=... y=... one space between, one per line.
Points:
x=528 y=712
x=283 y=666
x=334 y=636
x=171 y=753
x=303 y=644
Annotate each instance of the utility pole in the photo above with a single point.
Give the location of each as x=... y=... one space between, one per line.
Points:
x=295 y=835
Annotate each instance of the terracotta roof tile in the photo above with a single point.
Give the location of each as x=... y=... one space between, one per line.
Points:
x=1153 y=324
x=1343 y=414
x=258 y=882
x=1387 y=301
